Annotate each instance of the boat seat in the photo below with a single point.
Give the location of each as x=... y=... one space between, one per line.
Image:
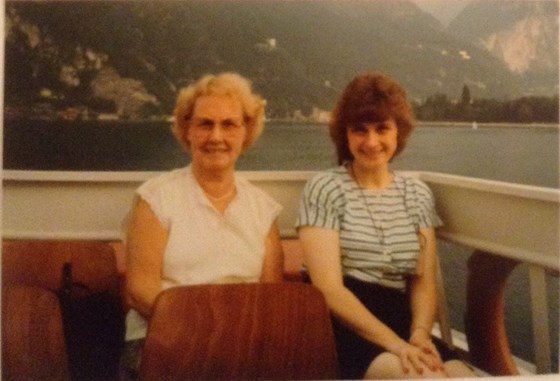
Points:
x=33 y=345
x=39 y=263
x=240 y=331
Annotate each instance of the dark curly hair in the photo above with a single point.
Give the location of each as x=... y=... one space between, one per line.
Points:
x=370 y=97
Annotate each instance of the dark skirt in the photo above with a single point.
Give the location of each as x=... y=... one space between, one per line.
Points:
x=390 y=306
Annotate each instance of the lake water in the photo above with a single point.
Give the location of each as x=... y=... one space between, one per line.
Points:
x=519 y=154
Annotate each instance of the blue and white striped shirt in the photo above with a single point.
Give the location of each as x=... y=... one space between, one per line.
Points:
x=378 y=245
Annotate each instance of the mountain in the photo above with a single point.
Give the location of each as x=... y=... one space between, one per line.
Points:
x=133 y=56
x=522 y=34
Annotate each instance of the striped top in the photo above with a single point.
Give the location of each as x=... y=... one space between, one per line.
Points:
x=378 y=229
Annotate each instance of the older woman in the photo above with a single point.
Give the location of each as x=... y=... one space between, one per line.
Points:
x=202 y=224
x=369 y=241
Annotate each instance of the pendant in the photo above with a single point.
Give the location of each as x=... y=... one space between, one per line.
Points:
x=387 y=254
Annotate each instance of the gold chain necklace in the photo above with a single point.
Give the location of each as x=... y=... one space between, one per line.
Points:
x=386 y=252
x=222 y=197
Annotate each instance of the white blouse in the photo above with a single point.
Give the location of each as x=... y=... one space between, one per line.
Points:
x=204 y=245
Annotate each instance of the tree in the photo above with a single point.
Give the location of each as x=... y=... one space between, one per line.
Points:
x=466 y=96
x=436 y=107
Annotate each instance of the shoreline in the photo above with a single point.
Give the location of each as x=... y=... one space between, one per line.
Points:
x=428 y=123
x=419 y=123
x=476 y=125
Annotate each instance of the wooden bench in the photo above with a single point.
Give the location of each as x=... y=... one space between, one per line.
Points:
x=31 y=269
x=33 y=337
x=33 y=345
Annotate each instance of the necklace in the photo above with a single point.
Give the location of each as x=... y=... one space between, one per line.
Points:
x=222 y=197
x=385 y=251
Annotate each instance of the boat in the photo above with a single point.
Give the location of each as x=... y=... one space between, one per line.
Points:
x=504 y=224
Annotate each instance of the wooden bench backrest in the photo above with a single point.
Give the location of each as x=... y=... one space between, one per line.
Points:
x=33 y=346
x=39 y=263
x=240 y=331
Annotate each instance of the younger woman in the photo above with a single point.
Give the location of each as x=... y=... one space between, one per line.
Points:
x=369 y=241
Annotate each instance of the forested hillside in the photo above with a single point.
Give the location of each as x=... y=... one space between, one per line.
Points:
x=131 y=57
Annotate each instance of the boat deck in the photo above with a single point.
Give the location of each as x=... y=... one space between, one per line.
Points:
x=503 y=224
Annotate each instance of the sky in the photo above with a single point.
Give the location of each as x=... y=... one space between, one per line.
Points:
x=443 y=10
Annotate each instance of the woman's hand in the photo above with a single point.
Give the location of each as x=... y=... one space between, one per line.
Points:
x=422 y=339
x=420 y=360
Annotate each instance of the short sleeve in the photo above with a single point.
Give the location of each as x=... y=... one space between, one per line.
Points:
x=321 y=202
x=154 y=194
x=425 y=205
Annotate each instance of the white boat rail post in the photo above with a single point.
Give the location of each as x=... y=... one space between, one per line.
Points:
x=443 y=310
x=506 y=224
x=541 y=325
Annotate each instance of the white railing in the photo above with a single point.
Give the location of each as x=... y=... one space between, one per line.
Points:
x=508 y=220
x=512 y=221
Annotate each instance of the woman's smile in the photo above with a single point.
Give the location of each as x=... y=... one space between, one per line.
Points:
x=217 y=132
x=373 y=143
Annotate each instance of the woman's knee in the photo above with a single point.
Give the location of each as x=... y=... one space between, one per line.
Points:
x=388 y=366
x=457 y=368
x=384 y=366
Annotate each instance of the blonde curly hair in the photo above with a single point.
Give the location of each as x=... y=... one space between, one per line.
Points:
x=230 y=84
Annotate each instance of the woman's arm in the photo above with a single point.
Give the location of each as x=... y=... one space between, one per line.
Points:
x=273 y=264
x=146 y=242
x=423 y=285
x=423 y=298
x=322 y=257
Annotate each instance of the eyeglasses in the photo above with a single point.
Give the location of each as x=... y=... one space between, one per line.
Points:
x=206 y=125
